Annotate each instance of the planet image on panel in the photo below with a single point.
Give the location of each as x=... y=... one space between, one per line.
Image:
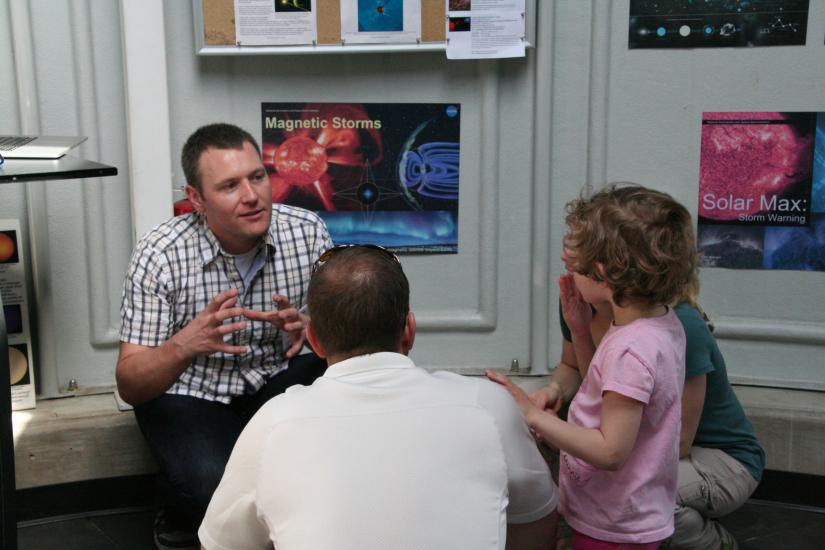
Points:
x=18 y=365
x=14 y=318
x=8 y=247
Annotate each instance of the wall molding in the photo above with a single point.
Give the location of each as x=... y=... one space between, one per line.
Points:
x=781 y=331
x=541 y=72
x=598 y=115
x=485 y=317
x=104 y=329
x=150 y=157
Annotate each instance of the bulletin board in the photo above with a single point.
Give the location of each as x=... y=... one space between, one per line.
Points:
x=215 y=30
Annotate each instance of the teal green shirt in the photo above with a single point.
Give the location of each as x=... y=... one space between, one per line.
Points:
x=723 y=424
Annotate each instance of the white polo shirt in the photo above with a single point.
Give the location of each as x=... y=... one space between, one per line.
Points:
x=380 y=454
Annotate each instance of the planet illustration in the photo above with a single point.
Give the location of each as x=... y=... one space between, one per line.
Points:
x=18 y=365
x=7 y=247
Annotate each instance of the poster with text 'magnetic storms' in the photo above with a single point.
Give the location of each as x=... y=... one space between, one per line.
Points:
x=762 y=190
x=379 y=173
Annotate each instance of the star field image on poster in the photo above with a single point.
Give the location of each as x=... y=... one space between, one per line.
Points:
x=717 y=23
x=381 y=173
x=380 y=15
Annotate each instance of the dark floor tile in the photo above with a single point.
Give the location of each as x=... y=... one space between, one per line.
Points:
x=762 y=525
x=78 y=534
x=110 y=529
x=128 y=531
x=791 y=488
x=84 y=496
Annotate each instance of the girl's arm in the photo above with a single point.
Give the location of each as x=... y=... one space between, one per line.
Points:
x=564 y=383
x=693 y=401
x=606 y=447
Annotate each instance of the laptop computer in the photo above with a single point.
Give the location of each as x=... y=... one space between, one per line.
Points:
x=38 y=147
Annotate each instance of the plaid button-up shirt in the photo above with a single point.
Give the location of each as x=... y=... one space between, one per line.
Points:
x=179 y=267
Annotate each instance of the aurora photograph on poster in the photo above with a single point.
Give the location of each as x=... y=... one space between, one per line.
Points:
x=379 y=173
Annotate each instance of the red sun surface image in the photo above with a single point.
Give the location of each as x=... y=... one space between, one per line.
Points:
x=747 y=159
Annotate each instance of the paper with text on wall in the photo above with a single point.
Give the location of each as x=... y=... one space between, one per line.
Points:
x=16 y=313
x=482 y=29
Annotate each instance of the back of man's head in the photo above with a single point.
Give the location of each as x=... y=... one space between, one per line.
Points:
x=358 y=302
x=219 y=135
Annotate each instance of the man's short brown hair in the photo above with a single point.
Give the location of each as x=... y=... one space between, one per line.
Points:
x=219 y=135
x=644 y=240
x=358 y=302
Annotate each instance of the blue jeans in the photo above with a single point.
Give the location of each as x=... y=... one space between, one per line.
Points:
x=192 y=438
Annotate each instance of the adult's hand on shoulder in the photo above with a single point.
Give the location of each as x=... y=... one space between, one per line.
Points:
x=287 y=318
x=205 y=333
x=577 y=313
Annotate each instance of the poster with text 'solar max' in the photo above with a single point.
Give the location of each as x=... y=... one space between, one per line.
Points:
x=762 y=190
x=378 y=173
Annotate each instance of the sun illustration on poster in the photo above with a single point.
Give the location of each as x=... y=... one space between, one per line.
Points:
x=7 y=247
x=309 y=158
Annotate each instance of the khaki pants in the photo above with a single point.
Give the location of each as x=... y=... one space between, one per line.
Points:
x=712 y=484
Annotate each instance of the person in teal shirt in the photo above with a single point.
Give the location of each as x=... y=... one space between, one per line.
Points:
x=721 y=460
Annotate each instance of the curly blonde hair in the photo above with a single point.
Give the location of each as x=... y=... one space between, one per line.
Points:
x=640 y=242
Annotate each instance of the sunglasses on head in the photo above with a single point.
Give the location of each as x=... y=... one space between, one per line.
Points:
x=330 y=252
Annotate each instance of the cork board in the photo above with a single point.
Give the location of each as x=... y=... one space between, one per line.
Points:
x=328 y=21
x=433 y=21
x=219 y=21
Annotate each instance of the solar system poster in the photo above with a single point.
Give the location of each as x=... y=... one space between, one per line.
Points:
x=379 y=173
x=762 y=190
x=15 y=314
x=717 y=23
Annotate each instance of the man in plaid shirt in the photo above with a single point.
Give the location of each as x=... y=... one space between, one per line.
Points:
x=212 y=319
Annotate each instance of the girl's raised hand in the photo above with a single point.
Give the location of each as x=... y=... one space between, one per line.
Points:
x=576 y=312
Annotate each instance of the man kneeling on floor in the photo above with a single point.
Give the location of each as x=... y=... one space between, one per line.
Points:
x=378 y=453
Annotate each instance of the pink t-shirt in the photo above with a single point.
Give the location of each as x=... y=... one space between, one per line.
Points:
x=645 y=361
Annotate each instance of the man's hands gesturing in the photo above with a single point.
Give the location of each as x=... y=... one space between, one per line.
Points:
x=144 y=372
x=205 y=334
x=286 y=318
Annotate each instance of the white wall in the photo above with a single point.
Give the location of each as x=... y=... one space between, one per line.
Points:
x=580 y=110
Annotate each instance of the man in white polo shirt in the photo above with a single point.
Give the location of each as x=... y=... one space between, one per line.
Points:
x=378 y=453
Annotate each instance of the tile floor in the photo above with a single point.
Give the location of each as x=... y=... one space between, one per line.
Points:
x=786 y=513
x=123 y=529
